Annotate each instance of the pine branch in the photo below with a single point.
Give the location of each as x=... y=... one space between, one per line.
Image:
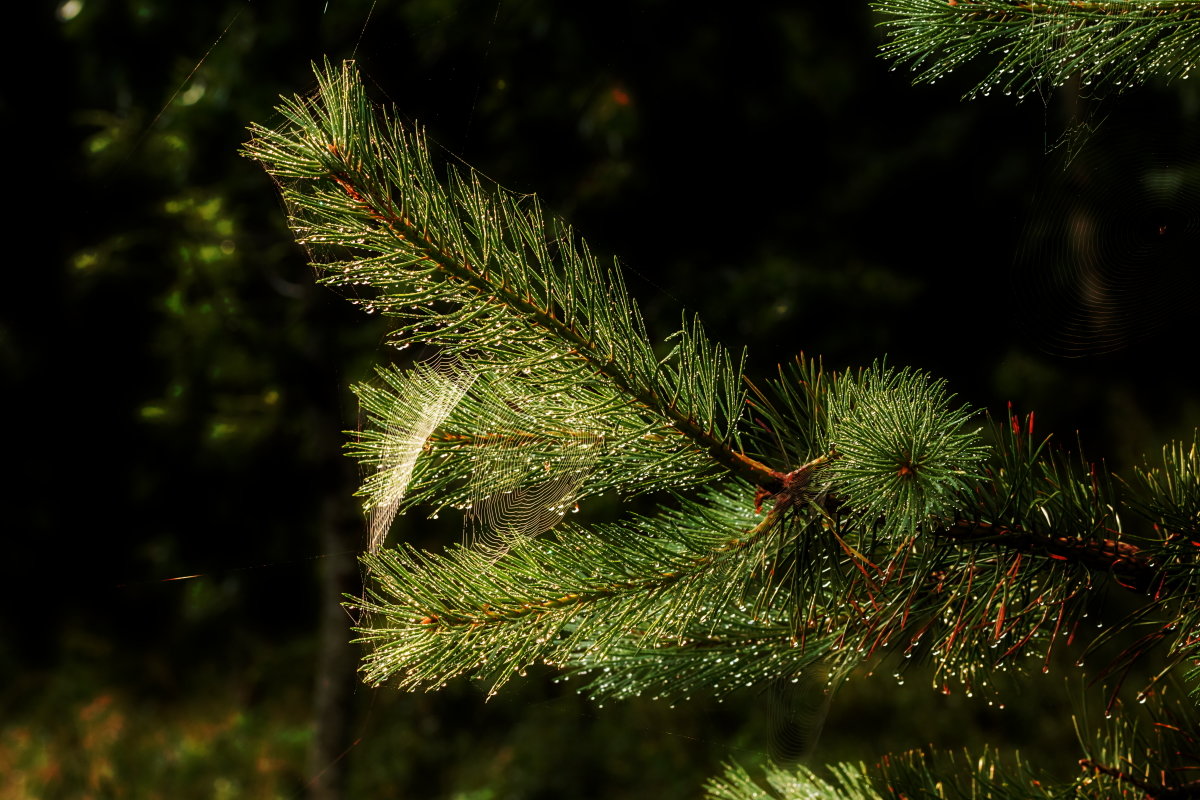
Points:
x=1122 y=560
x=556 y=600
x=808 y=524
x=1039 y=501
x=1165 y=753
x=1109 y=45
x=480 y=274
x=1026 y=587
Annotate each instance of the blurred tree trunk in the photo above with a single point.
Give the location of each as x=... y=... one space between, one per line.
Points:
x=335 y=658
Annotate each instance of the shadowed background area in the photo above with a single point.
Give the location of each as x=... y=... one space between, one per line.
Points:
x=181 y=525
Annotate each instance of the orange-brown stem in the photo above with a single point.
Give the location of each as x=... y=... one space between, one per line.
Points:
x=1124 y=561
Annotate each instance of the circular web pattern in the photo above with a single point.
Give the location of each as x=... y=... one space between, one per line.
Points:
x=1110 y=253
x=530 y=466
x=799 y=704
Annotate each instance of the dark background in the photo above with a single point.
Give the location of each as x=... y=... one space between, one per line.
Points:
x=176 y=383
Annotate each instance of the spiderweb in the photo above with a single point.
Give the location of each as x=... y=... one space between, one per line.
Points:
x=530 y=464
x=1108 y=258
x=514 y=460
x=797 y=706
x=433 y=392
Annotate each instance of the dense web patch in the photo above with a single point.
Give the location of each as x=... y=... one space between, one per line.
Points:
x=1108 y=256
x=433 y=392
x=527 y=464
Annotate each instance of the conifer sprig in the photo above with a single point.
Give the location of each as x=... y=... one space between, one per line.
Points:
x=1109 y=44
x=1151 y=755
x=483 y=276
x=565 y=599
x=811 y=523
x=904 y=456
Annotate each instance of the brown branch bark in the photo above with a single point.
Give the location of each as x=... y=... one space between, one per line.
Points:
x=1125 y=562
x=1187 y=791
